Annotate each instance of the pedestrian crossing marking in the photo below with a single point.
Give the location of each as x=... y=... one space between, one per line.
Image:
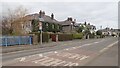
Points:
x=56 y=64
x=45 y=58
x=53 y=62
x=85 y=57
x=22 y=59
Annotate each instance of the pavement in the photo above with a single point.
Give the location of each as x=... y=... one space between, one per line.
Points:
x=69 y=53
x=15 y=48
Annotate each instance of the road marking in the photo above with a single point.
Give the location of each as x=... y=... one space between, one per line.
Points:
x=106 y=48
x=74 y=56
x=85 y=57
x=96 y=42
x=55 y=52
x=46 y=61
x=67 y=49
x=74 y=47
x=40 y=55
x=22 y=59
x=53 y=62
x=45 y=58
x=57 y=64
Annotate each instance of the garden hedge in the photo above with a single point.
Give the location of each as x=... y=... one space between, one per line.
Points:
x=78 y=35
x=65 y=37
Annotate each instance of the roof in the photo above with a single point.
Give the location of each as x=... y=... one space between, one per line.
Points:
x=66 y=22
x=44 y=18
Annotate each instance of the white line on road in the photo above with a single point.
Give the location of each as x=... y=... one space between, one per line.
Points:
x=106 y=48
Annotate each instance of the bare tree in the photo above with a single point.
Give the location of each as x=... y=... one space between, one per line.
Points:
x=13 y=17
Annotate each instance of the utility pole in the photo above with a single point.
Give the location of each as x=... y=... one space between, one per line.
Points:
x=40 y=28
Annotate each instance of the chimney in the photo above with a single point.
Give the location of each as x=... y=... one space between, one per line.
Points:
x=74 y=21
x=69 y=19
x=52 y=16
x=85 y=23
x=40 y=14
x=43 y=13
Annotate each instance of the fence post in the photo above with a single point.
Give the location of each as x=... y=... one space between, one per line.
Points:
x=19 y=39
x=30 y=38
x=6 y=41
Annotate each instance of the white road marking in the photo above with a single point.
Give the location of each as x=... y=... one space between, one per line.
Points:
x=74 y=47
x=106 y=48
x=22 y=59
x=46 y=61
x=45 y=58
x=67 y=49
x=53 y=62
x=40 y=55
x=57 y=64
x=55 y=52
x=96 y=42
x=85 y=57
x=74 y=56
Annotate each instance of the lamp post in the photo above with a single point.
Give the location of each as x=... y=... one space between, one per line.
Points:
x=40 y=29
x=71 y=26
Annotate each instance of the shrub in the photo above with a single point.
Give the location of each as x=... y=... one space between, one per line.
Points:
x=65 y=37
x=99 y=32
x=78 y=36
x=92 y=35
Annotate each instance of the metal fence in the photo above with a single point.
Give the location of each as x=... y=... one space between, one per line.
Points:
x=15 y=40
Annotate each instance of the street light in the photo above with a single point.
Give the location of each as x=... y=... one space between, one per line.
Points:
x=71 y=26
x=40 y=28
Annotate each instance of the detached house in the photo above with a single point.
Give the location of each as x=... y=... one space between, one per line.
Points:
x=68 y=25
x=31 y=22
x=49 y=23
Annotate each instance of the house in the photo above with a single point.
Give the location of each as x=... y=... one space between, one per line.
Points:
x=85 y=26
x=49 y=23
x=68 y=25
x=109 y=32
x=87 y=29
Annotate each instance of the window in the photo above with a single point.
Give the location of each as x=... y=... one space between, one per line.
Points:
x=46 y=25
x=53 y=26
x=58 y=26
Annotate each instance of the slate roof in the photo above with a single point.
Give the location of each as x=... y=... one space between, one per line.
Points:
x=45 y=18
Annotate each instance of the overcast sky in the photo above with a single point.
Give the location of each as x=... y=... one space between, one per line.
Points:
x=97 y=13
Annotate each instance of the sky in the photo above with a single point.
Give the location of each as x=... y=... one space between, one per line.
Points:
x=103 y=14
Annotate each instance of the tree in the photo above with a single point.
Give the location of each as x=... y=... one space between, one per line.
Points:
x=12 y=17
x=99 y=32
x=80 y=29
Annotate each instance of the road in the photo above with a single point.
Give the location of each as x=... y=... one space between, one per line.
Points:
x=69 y=53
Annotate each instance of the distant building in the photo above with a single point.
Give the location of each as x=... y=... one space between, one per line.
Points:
x=108 y=32
x=68 y=25
x=86 y=26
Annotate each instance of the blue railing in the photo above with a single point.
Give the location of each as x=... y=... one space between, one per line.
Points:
x=15 y=40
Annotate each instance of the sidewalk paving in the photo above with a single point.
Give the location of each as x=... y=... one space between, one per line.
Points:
x=27 y=47
x=14 y=48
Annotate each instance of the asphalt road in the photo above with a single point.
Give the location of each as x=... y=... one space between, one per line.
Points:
x=69 y=53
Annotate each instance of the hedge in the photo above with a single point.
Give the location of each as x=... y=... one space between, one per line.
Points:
x=45 y=36
x=65 y=37
x=78 y=36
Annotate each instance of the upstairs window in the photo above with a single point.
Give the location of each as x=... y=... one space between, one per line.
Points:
x=53 y=26
x=46 y=25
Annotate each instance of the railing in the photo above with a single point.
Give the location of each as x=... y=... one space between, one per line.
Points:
x=15 y=40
